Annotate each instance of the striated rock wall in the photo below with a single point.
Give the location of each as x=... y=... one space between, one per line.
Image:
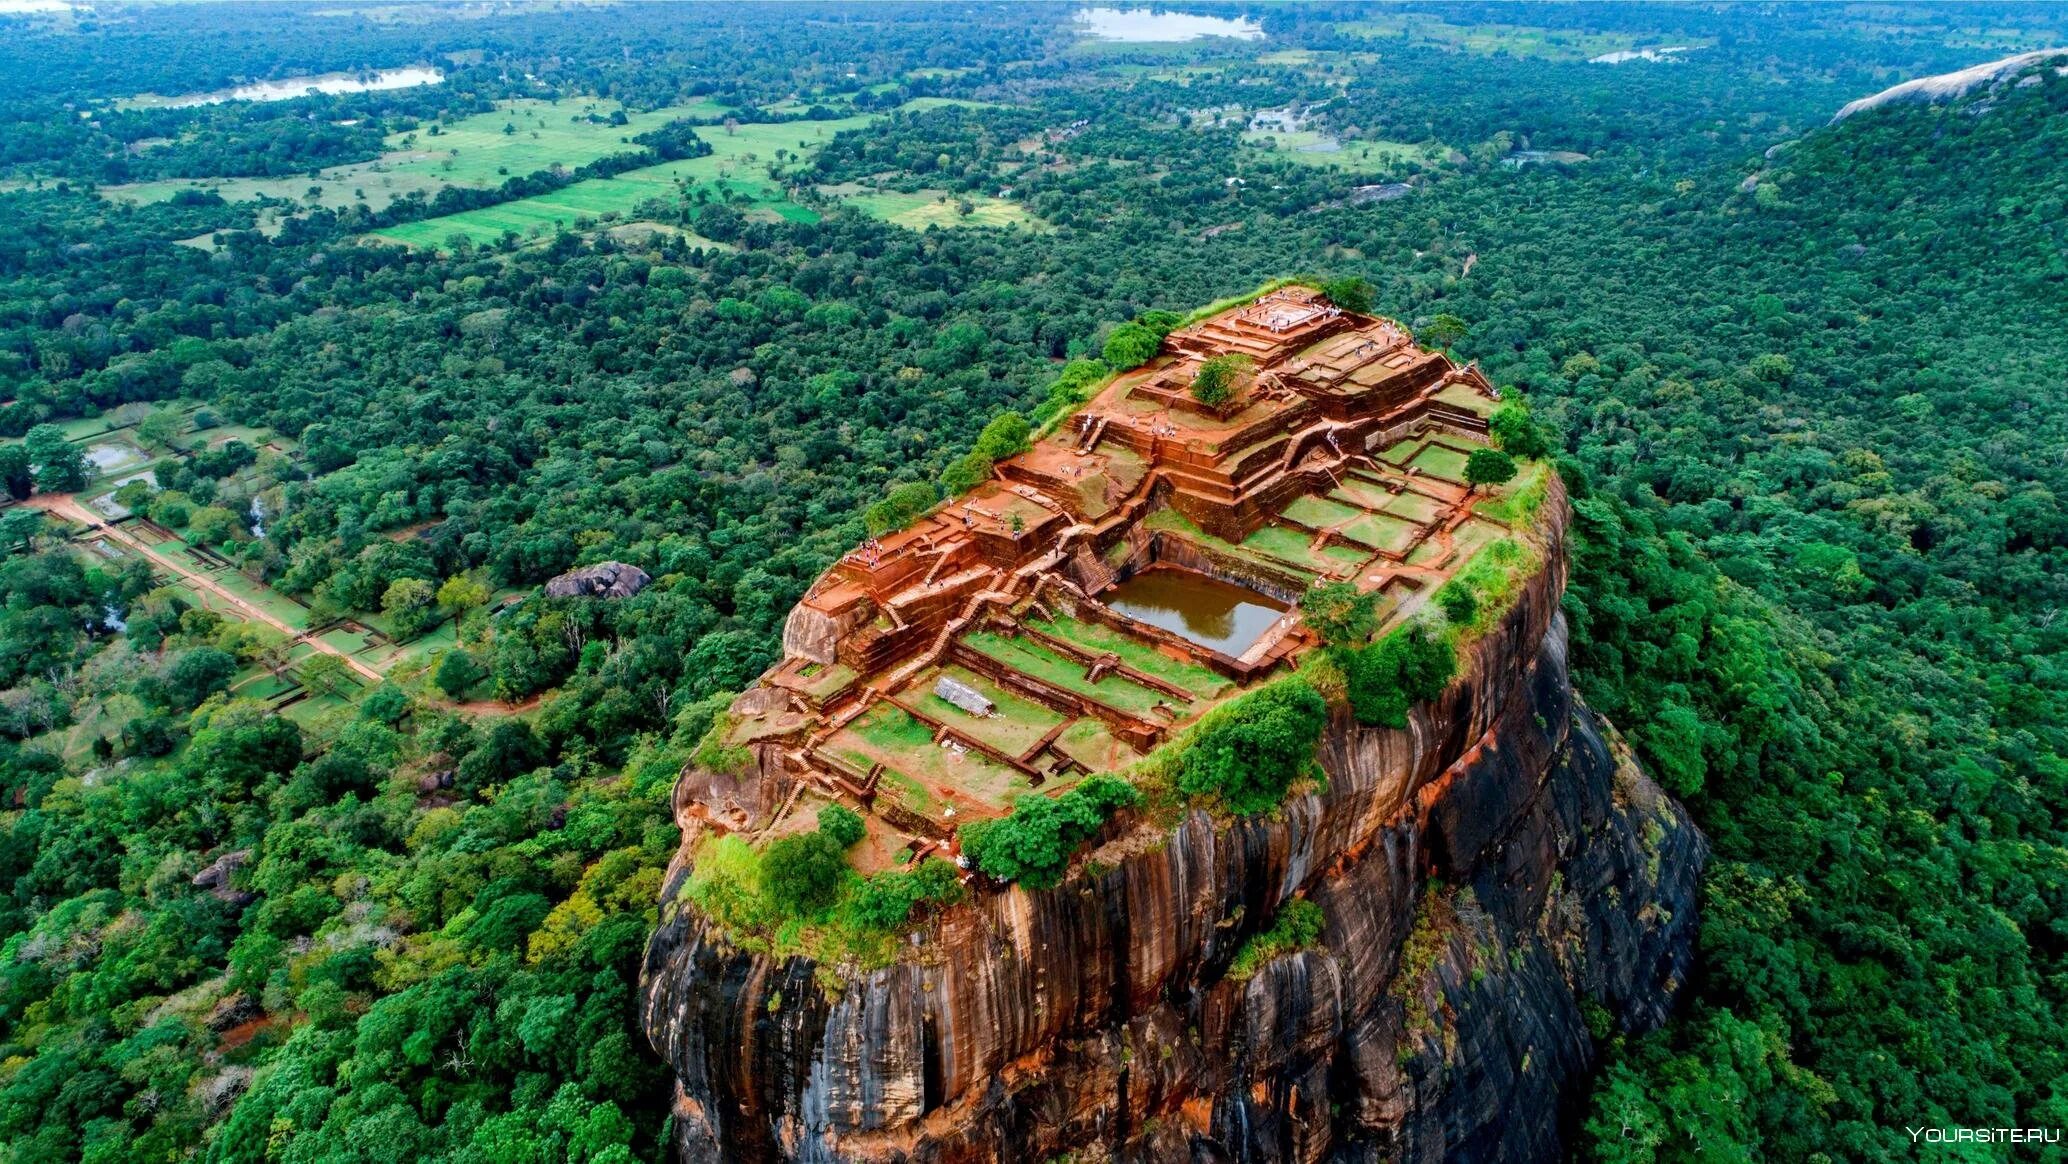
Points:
x=1493 y=879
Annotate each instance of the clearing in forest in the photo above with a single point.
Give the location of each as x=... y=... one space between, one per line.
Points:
x=474 y=152
x=748 y=164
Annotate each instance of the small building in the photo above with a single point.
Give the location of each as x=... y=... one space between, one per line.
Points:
x=962 y=695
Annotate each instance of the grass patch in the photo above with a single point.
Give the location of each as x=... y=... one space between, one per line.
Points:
x=748 y=165
x=1016 y=725
x=925 y=208
x=1318 y=512
x=1520 y=499
x=1441 y=462
x=1380 y=532
x=1202 y=682
x=1038 y=661
x=1297 y=927
x=1317 y=149
x=472 y=152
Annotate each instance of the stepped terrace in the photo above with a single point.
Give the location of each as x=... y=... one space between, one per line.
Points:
x=1140 y=564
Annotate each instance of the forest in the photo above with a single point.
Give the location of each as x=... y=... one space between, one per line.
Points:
x=1803 y=380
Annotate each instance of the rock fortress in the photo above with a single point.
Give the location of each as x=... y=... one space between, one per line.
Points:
x=1142 y=563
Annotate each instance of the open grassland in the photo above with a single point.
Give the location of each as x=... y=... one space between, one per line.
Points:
x=473 y=152
x=1521 y=40
x=1317 y=149
x=743 y=165
x=924 y=208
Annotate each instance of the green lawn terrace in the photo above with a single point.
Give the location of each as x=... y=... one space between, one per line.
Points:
x=1141 y=564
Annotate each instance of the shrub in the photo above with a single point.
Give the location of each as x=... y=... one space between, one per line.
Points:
x=800 y=874
x=1341 y=615
x=1408 y=666
x=1459 y=603
x=716 y=752
x=843 y=824
x=1297 y=926
x=1032 y=845
x=900 y=507
x=1130 y=346
x=887 y=900
x=1245 y=753
x=1071 y=388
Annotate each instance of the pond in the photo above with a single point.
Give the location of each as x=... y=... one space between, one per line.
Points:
x=1143 y=25
x=292 y=87
x=1216 y=614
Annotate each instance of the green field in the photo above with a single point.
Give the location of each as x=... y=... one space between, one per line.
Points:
x=1314 y=149
x=924 y=208
x=472 y=152
x=1519 y=40
x=738 y=165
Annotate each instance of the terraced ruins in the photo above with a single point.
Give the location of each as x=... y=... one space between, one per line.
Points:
x=1139 y=565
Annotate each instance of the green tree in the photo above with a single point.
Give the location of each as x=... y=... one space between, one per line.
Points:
x=60 y=466
x=1341 y=614
x=160 y=428
x=460 y=593
x=323 y=673
x=457 y=673
x=1350 y=293
x=212 y=525
x=1245 y=753
x=1444 y=330
x=1214 y=383
x=17 y=474
x=1032 y=844
x=801 y=873
x=1516 y=432
x=1488 y=467
x=410 y=604
x=1130 y=346
x=843 y=824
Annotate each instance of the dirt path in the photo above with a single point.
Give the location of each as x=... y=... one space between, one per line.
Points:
x=64 y=505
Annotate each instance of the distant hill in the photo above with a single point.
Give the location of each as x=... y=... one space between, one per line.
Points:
x=1948 y=86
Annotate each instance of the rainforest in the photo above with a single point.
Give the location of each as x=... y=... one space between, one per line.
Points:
x=409 y=472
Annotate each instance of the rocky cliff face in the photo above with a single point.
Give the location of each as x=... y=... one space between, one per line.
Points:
x=1501 y=886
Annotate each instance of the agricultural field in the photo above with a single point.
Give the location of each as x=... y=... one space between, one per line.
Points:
x=474 y=152
x=1319 y=149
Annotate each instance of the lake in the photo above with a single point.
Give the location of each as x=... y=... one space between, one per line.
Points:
x=292 y=87
x=1141 y=25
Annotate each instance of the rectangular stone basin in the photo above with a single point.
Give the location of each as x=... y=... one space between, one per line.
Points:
x=1219 y=615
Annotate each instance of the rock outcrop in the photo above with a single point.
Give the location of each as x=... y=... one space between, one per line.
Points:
x=1500 y=883
x=602 y=580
